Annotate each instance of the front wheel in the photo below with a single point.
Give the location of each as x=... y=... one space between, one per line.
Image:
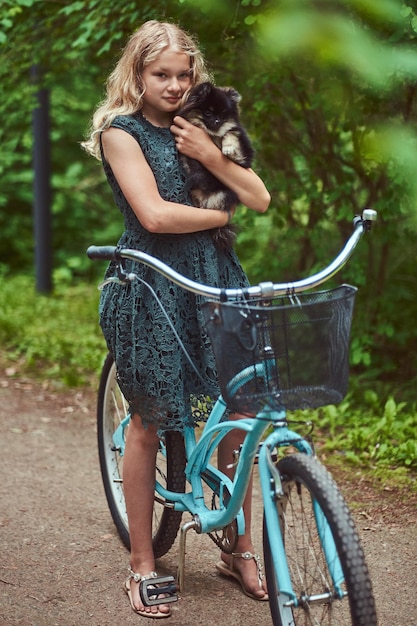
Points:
x=313 y=512
x=112 y=409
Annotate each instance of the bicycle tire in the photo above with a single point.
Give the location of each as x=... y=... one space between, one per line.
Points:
x=304 y=479
x=112 y=408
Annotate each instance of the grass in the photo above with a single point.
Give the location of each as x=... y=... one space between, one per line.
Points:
x=57 y=337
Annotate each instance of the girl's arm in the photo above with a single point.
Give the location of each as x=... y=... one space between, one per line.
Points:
x=195 y=143
x=139 y=187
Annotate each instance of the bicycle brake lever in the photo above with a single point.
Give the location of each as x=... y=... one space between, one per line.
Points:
x=128 y=278
x=112 y=279
x=367 y=218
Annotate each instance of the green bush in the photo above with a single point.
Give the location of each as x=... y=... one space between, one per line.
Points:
x=370 y=430
x=54 y=336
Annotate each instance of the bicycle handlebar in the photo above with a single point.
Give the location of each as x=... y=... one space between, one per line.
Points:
x=361 y=224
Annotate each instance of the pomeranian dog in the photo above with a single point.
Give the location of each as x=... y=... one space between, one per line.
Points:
x=215 y=110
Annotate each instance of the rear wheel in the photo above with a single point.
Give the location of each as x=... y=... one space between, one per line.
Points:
x=112 y=409
x=305 y=482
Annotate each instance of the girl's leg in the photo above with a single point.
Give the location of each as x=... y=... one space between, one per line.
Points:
x=247 y=568
x=138 y=485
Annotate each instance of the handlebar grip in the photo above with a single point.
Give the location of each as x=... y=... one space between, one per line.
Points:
x=102 y=253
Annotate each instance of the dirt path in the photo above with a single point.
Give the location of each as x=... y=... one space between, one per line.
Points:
x=61 y=562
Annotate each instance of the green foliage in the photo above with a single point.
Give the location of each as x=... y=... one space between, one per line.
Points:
x=53 y=336
x=335 y=114
x=58 y=337
x=329 y=97
x=370 y=432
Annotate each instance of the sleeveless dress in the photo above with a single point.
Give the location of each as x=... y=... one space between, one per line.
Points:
x=153 y=373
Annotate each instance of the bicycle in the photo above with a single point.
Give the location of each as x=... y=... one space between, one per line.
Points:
x=314 y=563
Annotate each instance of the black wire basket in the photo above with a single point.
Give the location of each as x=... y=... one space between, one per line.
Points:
x=289 y=352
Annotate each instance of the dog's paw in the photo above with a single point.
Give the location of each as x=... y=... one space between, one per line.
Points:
x=228 y=151
x=230 y=146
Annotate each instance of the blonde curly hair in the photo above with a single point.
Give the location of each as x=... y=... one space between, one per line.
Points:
x=125 y=89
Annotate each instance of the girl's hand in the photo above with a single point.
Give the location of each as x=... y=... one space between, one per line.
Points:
x=191 y=140
x=195 y=143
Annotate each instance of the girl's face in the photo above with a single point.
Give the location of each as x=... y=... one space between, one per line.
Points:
x=166 y=80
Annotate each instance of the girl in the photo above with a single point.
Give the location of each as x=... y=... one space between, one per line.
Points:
x=137 y=136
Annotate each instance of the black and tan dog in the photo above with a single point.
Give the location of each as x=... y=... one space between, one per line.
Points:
x=215 y=110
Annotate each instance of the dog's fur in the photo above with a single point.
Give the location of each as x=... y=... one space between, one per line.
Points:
x=215 y=110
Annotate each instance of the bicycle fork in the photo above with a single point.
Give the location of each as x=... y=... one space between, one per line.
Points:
x=272 y=492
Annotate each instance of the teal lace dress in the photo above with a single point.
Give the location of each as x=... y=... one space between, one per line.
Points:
x=153 y=372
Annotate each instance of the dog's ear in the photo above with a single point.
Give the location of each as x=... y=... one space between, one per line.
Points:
x=197 y=95
x=191 y=99
x=204 y=90
x=233 y=95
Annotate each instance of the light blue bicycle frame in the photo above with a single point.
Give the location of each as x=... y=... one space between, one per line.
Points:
x=231 y=494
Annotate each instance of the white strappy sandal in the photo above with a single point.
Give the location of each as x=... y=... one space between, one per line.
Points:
x=228 y=570
x=165 y=585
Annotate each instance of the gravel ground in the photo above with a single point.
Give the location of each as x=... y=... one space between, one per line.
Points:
x=62 y=563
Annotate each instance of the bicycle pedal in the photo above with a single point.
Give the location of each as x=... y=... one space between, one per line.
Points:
x=152 y=588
